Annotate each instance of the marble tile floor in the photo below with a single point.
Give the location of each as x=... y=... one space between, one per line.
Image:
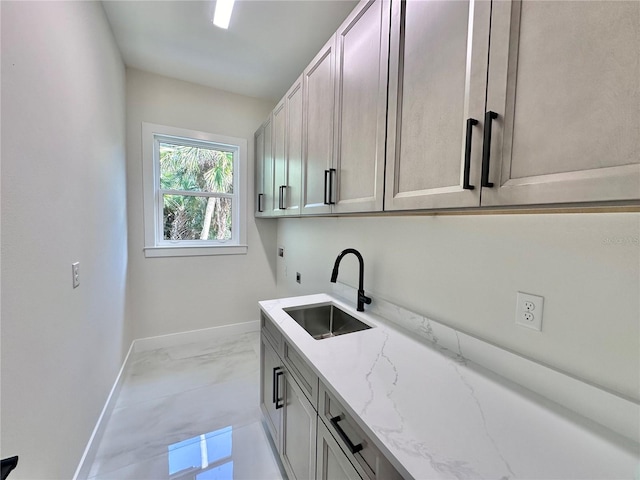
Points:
x=189 y=412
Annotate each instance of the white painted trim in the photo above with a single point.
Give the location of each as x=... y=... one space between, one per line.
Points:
x=152 y=206
x=89 y=452
x=194 y=251
x=610 y=409
x=172 y=339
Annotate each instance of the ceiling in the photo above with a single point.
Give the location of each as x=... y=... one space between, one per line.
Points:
x=267 y=45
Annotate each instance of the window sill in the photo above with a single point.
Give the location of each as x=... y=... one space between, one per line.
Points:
x=194 y=251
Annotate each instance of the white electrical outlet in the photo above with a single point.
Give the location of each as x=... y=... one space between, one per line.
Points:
x=529 y=310
x=75 y=272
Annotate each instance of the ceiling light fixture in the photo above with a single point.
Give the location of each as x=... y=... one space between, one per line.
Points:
x=222 y=14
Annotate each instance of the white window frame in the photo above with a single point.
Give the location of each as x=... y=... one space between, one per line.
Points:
x=154 y=243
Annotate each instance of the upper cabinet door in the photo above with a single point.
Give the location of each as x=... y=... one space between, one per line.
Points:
x=361 y=100
x=317 y=136
x=293 y=106
x=564 y=83
x=279 y=135
x=437 y=86
x=264 y=170
x=259 y=171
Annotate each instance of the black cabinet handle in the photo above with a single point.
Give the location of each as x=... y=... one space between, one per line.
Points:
x=281 y=197
x=332 y=176
x=328 y=186
x=260 y=202
x=354 y=448
x=467 y=154
x=279 y=373
x=274 y=382
x=489 y=117
x=327 y=174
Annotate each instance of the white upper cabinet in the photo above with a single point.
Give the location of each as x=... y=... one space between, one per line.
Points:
x=317 y=137
x=264 y=170
x=279 y=128
x=436 y=104
x=564 y=81
x=437 y=84
x=562 y=116
x=362 y=49
x=287 y=152
x=293 y=107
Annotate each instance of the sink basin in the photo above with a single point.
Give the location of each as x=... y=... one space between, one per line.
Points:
x=325 y=321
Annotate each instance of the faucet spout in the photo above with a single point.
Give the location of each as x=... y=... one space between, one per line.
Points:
x=362 y=298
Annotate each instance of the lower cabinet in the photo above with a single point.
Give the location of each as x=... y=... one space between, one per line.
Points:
x=331 y=461
x=271 y=371
x=322 y=444
x=289 y=415
x=354 y=442
x=298 y=450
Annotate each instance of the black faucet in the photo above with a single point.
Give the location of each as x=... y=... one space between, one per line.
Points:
x=362 y=298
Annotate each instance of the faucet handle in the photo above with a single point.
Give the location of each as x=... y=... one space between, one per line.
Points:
x=363 y=298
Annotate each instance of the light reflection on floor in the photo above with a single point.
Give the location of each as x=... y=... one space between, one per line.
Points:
x=189 y=412
x=206 y=456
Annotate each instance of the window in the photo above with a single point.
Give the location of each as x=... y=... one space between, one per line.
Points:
x=194 y=190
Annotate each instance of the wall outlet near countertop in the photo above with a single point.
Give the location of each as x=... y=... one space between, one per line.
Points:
x=529 y=310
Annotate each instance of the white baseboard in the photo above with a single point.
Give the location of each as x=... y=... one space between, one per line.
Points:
x=90 y=451
x=143 y=345
x=172 y=339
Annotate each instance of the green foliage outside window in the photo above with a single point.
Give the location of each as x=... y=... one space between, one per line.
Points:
x=196 y=169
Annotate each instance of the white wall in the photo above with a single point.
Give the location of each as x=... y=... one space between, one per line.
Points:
x=464 y=271
x=169 y=295
x=63 y=200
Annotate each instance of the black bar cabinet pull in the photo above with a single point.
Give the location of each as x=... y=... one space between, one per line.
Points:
x=332 y=175
x=327 y=173
x=281 y=197
x=354 y=448
x=279 y=373
x=274 y=382
x=260 y=206
x=467 y=154
x=486 y=147
x=328 y=182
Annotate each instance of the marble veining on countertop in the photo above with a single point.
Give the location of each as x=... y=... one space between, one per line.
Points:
x=438 y=415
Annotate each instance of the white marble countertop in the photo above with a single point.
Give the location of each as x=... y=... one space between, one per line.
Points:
x=437 y=415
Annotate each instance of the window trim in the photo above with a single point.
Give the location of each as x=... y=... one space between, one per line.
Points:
x=154 y=244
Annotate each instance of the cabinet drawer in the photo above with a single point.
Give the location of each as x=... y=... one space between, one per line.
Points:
x=272 y=333
x=300 y=370
x=331 y=461
x=369 y=460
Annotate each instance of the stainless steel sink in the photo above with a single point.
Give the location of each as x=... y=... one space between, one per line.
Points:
x=325 y=321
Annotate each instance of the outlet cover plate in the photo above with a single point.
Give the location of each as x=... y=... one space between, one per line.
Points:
x=529 y=310
x=75 y=274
